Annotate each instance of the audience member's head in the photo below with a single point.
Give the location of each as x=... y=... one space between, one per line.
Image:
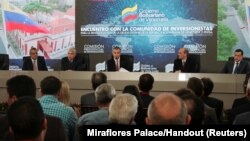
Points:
x=196 y=85
x=33 y=53
x=97 y=79
x=238 y=55
x=167 y=108
x=246 y=82
x=104 y=94
x=64 y=96
x=183 y=53
x=27 y=120
x=146 y=82
x=122 y=109
x=208 y=86
x=71 y=54
x=194 y=105
x=116 y=52
x=19 y=86
x=132 y=89
x=50 y=86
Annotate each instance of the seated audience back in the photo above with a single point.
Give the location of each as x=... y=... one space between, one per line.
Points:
x=215 y=103
x=27 y=120
x=195 y=106
x=145 y=84
x=167 y=109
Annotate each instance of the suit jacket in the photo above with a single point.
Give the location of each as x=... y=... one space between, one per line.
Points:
x=55 y=131
x=190 y=65
x=76 y=65
x=146 y=99
x=88 y=99
x=216 y=104
x=243 y=67
x=123 y=64
x=41 y=64
x=242 y=119
x=240 y=101
x=238 y=110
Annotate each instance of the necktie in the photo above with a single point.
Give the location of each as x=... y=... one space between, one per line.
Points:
x=236 y=69
x=34 y=65
x=117 y=65
x=183 y=64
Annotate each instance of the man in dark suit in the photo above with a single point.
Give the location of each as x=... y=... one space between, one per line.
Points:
x=184 y=63
x=24 y=86
x=238 y=65
x=34 y=62
x=215 y=103
x=96 y=80
x=72 y=61
x=145 y=85
x=117 y=61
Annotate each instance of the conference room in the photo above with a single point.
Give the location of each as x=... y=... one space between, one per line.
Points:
x=170 y=41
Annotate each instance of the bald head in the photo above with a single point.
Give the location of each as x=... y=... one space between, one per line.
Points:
x=183 y=53
x=167 y=109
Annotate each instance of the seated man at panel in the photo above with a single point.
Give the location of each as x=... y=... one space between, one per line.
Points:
x=238 y=65
x=117 y=61
x=166 y=109
x=72 y=61
x=34 y=62
x=27 y=120
x=184 y=63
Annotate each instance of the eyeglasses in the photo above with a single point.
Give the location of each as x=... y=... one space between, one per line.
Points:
x=33 y=53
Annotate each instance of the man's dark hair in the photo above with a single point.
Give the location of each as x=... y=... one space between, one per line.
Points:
x=146 y=82
x=21 y=85
x=239 y=50
x=197 y=109
x=98 y=79
x=50 y=85
x=208 y=86
x=26 y=118
x=196 y=85
x=116 y=47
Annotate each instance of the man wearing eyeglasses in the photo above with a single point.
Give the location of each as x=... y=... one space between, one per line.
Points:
x=34 y=62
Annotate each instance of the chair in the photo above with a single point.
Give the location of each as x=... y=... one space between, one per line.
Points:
x=4 y=62
x=88 y=109
x=196 y=57
x=130 y=61
x=84 y=57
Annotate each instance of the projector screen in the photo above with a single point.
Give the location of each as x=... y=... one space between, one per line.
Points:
x=150 y=30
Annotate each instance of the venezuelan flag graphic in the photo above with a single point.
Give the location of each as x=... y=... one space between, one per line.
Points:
x=129 y=14
x=16 y=19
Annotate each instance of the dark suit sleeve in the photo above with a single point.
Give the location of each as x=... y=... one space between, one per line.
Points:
x=80 y=64
x=26 y=64
x=42 y=63
x=110 y=65
x=64 y=64
x=246 y=68
x=176 y=66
